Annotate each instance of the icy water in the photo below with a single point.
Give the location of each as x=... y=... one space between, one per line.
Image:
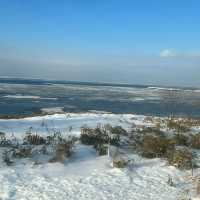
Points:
x=28 y=97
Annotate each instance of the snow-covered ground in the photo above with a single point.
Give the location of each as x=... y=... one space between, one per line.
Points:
x=86 y=176
x=66 y=122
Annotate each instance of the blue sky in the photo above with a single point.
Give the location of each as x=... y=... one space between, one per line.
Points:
x=126 y=41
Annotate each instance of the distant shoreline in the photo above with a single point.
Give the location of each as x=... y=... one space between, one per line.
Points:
x=33 y=81
x=21 y=116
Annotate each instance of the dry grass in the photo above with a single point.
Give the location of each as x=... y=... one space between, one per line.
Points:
x=34 y=139
x=63 y=151
x=22 y=152
x=178 y=125
x=100 y=135
x=182 y=139
x=155 y=146
x=195 y=141
x=102 y=149
x=181 y=158
x=119 y=162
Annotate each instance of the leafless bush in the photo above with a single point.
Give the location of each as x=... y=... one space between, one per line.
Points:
x=119 y=162
x=152 y=131
x=181 y=158
x=116 y=130
x=2 y=135
x=4 y=142
x=63 y=151
x=99 y=135
x=34 y=139
x=170 y=181
x=155 y=146
x=181 y=139
x=7 y=157
x=102 y=149
x=177 y=125
x=22 y=151
x=195 y=141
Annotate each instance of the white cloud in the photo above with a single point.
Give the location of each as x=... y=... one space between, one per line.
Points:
x=168 y=53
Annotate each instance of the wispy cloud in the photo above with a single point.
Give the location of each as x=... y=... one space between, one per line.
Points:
x=141 y=69
x=172 y=53
x=168 y=53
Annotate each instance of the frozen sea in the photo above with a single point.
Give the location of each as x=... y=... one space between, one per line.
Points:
x=28 y=97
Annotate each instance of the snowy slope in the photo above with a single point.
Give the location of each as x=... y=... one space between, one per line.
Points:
x=86 y=176
x=64 y=122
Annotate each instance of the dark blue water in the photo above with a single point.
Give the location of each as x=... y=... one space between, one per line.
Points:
x=28 y=97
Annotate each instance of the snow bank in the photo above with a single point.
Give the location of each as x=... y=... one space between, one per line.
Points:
x=66 y=122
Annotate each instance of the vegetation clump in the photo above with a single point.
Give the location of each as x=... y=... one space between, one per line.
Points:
x=155 y=146
x=4 y=142
x=117 y=130
x=99 y=135
x=195 y=141
x=22 y=151
x=102 y=136
x=34 y=139
x=7 y=158
x=181 y=158
x=56 y=148
x=152 y=130
x=178 y=125
x=63 y=151
x=62 y=147
x=102 y=149
x=119 y=162
x=181 y=139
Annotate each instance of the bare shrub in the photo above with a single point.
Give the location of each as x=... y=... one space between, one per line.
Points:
x=34 y=139
x=181 y=139
x=148 y=119
x=4 y=142
x=63 y=150
x=152 y=130
x=117 y=130
x=102 y=149
x=170 y=181
x=181 y=158
x=137 y=136
x=7 y=158
x=190 y=122
x=154 y=146
x=99 y=135
x=195 y=141
x=177 y=125
x=23 y=151
x=88 y=136
x=119 y=162
x=158 y=125
x=2 y=135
